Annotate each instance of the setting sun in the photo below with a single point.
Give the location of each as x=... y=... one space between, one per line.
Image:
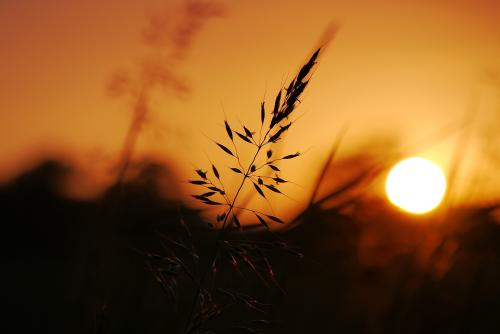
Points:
x=416 y=185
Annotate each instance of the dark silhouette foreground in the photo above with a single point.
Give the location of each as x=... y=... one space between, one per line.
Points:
x=73 y=266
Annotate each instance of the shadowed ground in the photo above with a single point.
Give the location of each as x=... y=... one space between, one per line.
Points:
x=79 y=266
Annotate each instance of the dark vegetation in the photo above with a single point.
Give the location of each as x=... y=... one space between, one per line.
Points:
x=133 y=261
x=232 y=244
x=75 y=266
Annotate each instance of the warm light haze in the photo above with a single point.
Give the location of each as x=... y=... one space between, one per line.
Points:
x=399 y=72
x=250 y=166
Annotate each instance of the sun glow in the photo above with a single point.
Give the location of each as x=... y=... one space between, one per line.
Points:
x=416 y=185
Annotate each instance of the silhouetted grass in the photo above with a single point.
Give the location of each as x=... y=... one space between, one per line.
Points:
x=366 y=267
x=273 y=125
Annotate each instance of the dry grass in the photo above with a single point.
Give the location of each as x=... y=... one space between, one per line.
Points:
x=274 y=123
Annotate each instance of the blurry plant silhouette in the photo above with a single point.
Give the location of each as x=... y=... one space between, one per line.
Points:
x=158 y=70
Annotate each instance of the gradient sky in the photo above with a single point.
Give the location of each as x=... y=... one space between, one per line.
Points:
x=397 y=71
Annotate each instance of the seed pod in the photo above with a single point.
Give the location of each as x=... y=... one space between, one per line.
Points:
x=261 y=193
x=225 y=149
x=216 y=172
x=228 y=130
x=262 y=113
x=236 y=170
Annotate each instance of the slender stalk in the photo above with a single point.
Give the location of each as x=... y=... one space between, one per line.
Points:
x=216 y=249
x=139 y=114
x=285 y=103
x=328 y=161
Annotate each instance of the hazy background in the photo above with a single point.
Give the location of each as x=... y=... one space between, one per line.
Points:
x=402 y=76
x=397 y=73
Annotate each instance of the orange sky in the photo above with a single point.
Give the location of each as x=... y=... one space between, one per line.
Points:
x=397 y=69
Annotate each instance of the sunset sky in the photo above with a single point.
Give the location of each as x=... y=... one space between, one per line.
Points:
x=397 y=72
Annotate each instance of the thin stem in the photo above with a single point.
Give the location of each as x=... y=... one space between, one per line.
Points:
x=250 y=210
x=133 y=132
x=328 y=160
x=237 y=154
x=210 y=183
x=215 y=251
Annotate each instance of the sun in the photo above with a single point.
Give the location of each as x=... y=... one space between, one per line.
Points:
x=416 y=185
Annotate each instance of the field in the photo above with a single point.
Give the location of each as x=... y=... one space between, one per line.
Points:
x=79 y=266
